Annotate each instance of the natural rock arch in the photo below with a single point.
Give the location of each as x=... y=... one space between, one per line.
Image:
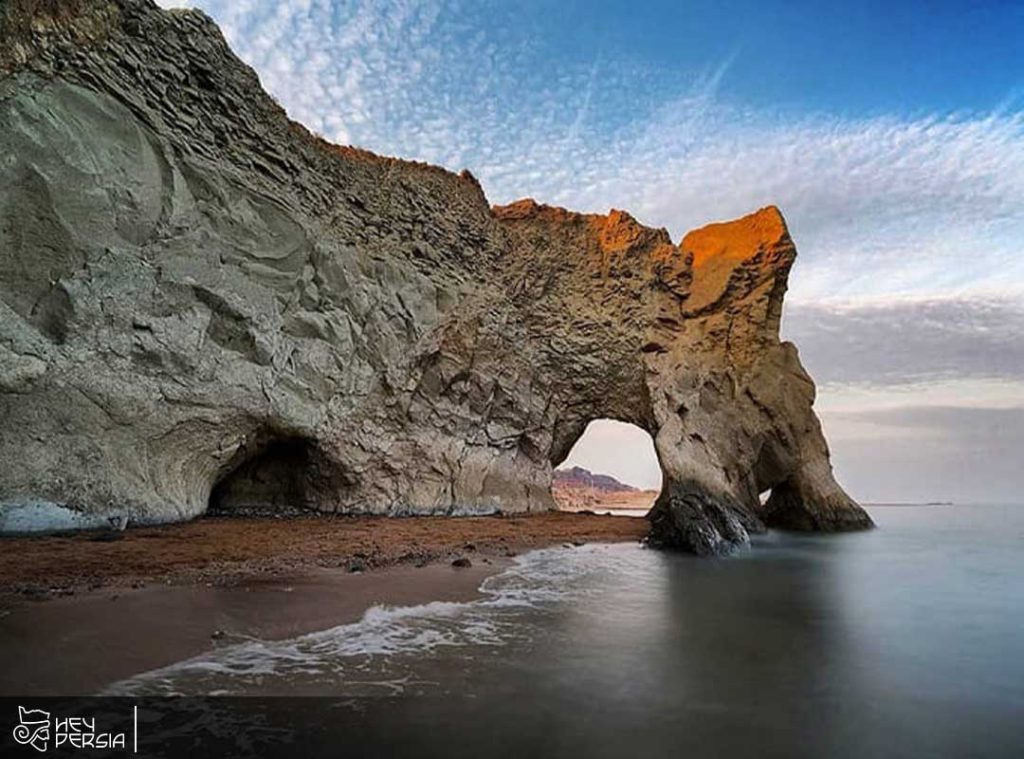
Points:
x=249 y=282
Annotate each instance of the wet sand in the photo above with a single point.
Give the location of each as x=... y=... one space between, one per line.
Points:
x=77 y=645
x=78 y=614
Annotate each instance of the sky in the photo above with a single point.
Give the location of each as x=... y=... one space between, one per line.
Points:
x=891 y=135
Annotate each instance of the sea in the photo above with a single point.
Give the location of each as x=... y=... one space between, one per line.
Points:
x=904 y=641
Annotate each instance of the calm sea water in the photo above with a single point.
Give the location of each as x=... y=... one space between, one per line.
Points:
x=907 y=641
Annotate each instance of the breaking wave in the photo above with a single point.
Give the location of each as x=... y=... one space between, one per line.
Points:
x=374 y=656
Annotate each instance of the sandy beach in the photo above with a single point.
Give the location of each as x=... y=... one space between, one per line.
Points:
x=162 y=594
x=224 y=551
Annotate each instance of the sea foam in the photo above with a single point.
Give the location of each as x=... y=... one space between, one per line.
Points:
x=368 y=653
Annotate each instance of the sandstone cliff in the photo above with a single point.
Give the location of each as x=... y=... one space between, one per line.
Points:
x=201 y=302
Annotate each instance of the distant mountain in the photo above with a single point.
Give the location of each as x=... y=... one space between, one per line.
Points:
x=578 y=477
x=577 y=489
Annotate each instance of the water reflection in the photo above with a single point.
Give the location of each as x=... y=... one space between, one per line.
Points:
x=901 y=642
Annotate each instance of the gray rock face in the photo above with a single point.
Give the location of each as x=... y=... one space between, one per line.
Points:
x=203 y=304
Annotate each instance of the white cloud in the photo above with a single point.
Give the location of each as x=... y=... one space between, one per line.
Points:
x=886 y=342
x=882 y=206
x=970 y=393
x=883 y=209
x=885 y=205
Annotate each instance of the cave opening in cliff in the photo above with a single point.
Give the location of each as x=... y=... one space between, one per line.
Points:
x=269 y=477
x=611 y=468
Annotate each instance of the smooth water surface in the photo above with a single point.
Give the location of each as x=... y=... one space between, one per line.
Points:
x=906 y=641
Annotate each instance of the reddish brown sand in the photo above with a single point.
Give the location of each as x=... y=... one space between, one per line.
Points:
x=226 y=550
x=160 y=595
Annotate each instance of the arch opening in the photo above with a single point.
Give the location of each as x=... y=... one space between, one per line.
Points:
x=612 y=467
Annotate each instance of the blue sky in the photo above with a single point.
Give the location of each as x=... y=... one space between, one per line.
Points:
x=856 y=58
x=890 y=134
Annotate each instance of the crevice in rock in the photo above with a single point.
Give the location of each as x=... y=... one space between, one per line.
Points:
x=229 y=327
x=53 y=313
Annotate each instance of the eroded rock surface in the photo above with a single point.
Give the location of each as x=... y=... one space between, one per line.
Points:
x=201 y=302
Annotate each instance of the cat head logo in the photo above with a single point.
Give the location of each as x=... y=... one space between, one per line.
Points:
x=34 y=728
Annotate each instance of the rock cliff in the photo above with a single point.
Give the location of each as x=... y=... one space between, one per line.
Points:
x=578 y=477
x=202 y=303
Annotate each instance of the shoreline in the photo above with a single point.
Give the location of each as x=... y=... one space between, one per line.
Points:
x=79 y=645
x=108 y=610
x=226 y=551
